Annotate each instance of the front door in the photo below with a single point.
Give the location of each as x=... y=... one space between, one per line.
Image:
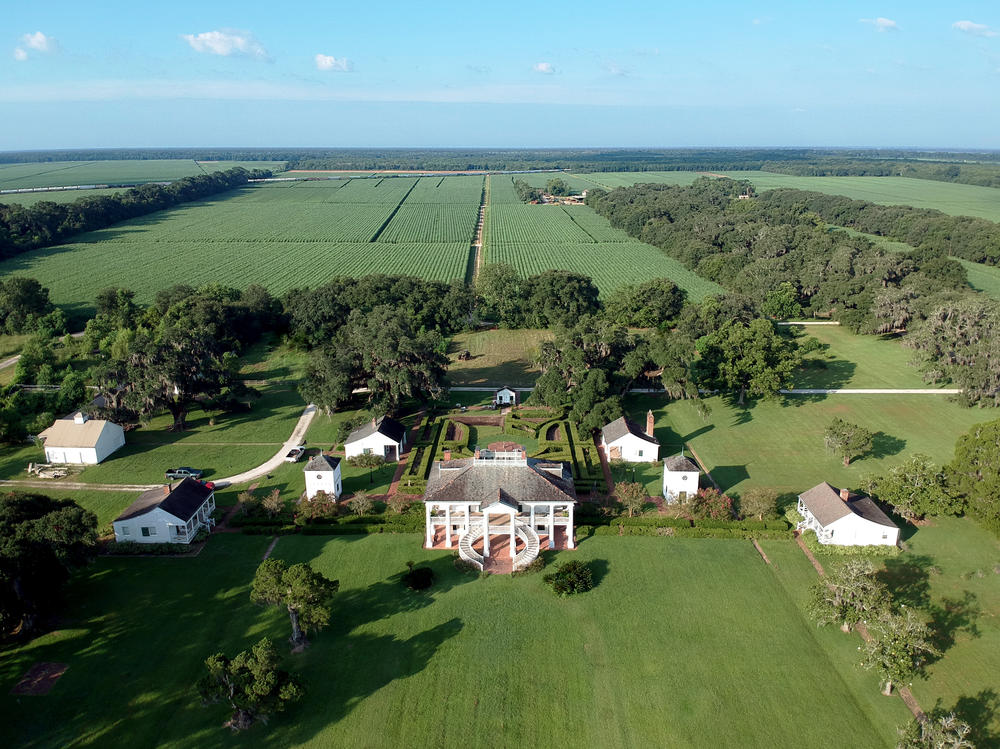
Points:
x=390 y=453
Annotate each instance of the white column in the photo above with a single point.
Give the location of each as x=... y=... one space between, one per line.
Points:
x=430 y=528
x=486 y=534
x=552 y=526
x=532 y=517
x=513 y=538
x=447 y=526
x=468 y=511
x=569 y=529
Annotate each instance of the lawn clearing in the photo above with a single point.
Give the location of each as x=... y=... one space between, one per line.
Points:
x=499 y=357
x=682 y=643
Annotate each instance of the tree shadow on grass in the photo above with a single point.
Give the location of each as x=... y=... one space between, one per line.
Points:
x=598 y=570
x=980 y=711
x=729 y=476
x=954 y=615
x=884 y=445
x=909 y=579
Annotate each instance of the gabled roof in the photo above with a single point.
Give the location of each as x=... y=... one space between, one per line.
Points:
x=620 y=427
x=322 y=462
x=67 y=433
x=505 y=387
x=502 y=499
x=467 y=481
x=824 y=502
x=182 y=502
x=385 y=426
x=680 y=464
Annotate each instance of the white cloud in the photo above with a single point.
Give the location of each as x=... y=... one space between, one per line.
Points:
x=20 y=55
x=329 y=62
x=976 y=29
x=227 y=42
x=544 y=68
x=39 y=42
x=881 y=24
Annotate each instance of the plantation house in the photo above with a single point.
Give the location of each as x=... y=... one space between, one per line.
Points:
x=167 y=514
x=384 y=437
x=841 y=518
x=81 y=440
x=323 y=475
x=623 y=439
x=498 y=507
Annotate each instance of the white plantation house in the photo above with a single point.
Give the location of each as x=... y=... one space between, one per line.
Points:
x=499 y=507
x=323 y=475
x=80 y=439
x=680 y=478
x=384 y=437
x=505 y=396
x=623 y=439
x=167 y=514
x=842 y=518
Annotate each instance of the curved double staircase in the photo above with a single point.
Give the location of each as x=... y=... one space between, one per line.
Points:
x=523 y=558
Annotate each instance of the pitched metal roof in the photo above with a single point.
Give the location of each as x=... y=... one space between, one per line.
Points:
x=680 y=464
x=67 y=433
x=182 y=502
x=385 y=426
x=467 y=481
x=622 y=426
x=866 y=508
x=322 y=462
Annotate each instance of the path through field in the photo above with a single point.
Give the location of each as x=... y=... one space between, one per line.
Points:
x=476 y=259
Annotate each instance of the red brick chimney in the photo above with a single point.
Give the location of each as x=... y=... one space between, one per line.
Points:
x=845 y=495
x=374 y=422
x=649 y=423
x=447 y=455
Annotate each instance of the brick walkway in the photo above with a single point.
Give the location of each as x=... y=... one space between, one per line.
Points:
x=404 y=458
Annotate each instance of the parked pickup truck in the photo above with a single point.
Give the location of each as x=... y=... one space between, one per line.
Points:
x=294 y=454
x=183 y=472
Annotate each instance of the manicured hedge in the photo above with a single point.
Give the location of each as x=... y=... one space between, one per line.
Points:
x=134 y=548
x=813 y=544
x=270 y=530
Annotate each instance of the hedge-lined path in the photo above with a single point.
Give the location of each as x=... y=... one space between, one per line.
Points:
x=397 y=476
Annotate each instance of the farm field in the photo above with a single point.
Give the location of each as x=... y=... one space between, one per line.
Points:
x=282 y=236
x=57 y=196
x=62 y=173
x=947 y=197
x=536 y=238
x=398 y=668
x=499 y=357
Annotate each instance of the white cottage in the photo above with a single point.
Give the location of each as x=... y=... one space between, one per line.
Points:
x=499 y=507
x=505 y=396
x=384 y=437
x=323 y=475
x=82 y=440
x=167 y=514
x=842 y=518
x=623 y=439
x=680 y=478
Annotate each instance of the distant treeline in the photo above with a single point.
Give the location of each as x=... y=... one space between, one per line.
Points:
x=46 y=223
x=777 y=251
x=978 y=168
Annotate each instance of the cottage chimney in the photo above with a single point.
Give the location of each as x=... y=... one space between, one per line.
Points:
x=374 y=422
x=447 y=455
x=477 y=452
x=844 y=494
x=79 y=417
x=649 y=423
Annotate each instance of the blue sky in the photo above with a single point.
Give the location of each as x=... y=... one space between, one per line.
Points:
x=533 y=74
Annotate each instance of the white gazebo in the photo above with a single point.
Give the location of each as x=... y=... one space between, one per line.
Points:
x=499 y=507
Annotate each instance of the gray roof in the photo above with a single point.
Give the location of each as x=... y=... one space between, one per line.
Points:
x=824 y=502
x=620 y=427
x=384 y=426
x=486 y=484
x=182 y=502
x=322 y=462
x=680 y=464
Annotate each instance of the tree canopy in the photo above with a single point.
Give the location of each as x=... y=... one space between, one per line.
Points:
x=302 y=591
x=848 y=440
x=751 y=359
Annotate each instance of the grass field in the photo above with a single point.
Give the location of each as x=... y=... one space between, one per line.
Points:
x=984 y=278
x=63 y=173
x=282 y=236
x=682 y=643
x=499 y=357
x=57 y=196
x=948 y=197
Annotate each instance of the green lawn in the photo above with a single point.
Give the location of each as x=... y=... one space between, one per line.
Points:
x=499 y=357
x=682 y=643
x=984 y=278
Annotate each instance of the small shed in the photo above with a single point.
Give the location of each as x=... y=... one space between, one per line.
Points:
x=623 y=439
x=505 y=396
x=323 y=475
x=680 y=478
x=79 y=439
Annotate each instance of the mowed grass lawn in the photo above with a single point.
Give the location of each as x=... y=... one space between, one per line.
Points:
x=499 y=357
x=682 y=643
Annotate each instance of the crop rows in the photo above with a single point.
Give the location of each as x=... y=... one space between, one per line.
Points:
x=60 y=173
x=595 y=225
x=610 y=265
x=371 y=190
x=533 y=223
x=502 y=191
x=447 y=190
x=431 y=223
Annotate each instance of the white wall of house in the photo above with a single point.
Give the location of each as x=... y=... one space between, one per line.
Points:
x=112 y=437
x=160 y=527
x=854 y=530
x=373 y=443
x=505 y=397
x=679 y=485
x=324 y=481
x=631 y=448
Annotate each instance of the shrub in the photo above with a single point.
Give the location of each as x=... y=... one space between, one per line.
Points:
x=398 y=504
x=273 y=504
x=361 y=503
x=813 y=544
x=570 y=578
x=710 y=503
x=537 y=565
x=130 y=548
x=464 y=566
x=418 y=578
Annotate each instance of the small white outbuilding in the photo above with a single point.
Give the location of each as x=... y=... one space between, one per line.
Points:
x=623 y=439
x=384 y=437
x=680 y=478
x=842 y=518
x=323 y=475
x=167 y=514
x=505 y=396
x=81 y=440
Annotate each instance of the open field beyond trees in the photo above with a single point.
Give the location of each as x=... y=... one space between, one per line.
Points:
x=64 y=173
x=463 y=663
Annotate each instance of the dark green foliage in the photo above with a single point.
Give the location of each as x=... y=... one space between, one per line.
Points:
x=848 y=440
x=25 y=305
x=570 y=578
x=526 y=192
x=915 y=489
x=646 y=305
x=251 y=684
x=558 y=187
x=302 y=591
x=418 y=578
x=974 y=474
x=41 y=541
